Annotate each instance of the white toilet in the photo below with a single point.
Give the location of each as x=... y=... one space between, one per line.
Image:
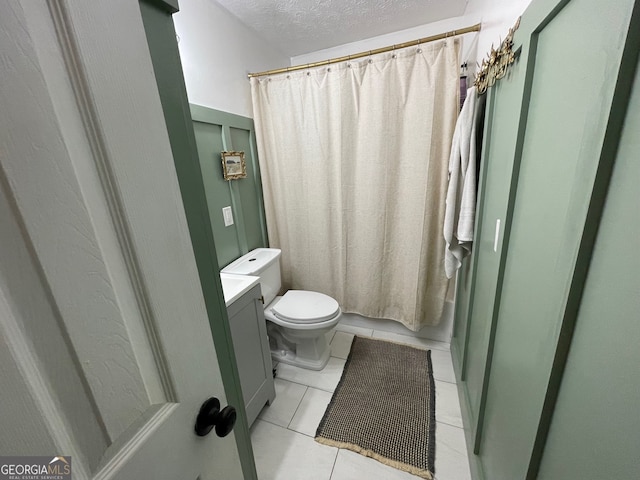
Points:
x=297 y=321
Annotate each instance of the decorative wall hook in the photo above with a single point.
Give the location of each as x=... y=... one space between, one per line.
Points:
x=494 y=67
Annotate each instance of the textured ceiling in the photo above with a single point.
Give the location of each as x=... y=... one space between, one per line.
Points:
x=302 y=26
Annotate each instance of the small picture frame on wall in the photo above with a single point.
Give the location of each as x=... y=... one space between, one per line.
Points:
x=233 y=166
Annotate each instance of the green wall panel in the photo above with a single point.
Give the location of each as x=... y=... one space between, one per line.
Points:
x=460 y=323
x=210 y=144
x=596 y=423
x=551 y=124
x=217 y=132
x=250 y=196
x=500 y=172
x=559 y=153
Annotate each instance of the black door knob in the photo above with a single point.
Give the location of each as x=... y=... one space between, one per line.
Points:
x=211 y=416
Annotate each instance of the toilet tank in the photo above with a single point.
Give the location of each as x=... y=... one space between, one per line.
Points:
x=263 y=263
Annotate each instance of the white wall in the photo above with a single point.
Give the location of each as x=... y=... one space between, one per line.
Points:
x=390 y=39
x=496 y=16
x=217 y=52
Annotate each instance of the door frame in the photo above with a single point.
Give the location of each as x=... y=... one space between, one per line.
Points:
x=163 y=47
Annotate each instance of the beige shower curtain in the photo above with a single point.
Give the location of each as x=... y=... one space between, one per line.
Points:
x=354 y=160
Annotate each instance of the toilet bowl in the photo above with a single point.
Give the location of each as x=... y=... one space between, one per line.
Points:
x=298 y=321
x=297 y=324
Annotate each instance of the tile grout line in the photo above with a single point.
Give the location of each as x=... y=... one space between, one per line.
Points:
x=445 y=381
x=285 y=428
x=269 y=422
x=449 y=424
x=333 y=467
x=313 y=386
x=297 y=407
x=308 y=436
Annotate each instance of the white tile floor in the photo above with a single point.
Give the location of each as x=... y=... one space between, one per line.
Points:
x=282 y=436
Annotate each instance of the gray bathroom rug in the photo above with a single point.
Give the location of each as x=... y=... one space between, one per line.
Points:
x=384 y=406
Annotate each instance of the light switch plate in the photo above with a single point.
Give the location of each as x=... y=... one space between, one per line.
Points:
x=228 y=216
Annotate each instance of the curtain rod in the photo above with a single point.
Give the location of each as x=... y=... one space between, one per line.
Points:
x=433 y=38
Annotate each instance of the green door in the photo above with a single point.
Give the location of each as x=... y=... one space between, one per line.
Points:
x=546 y=132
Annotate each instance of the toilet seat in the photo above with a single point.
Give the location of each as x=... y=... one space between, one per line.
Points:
x=304 y=307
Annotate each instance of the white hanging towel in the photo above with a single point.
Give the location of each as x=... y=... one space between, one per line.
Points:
x=460 y=209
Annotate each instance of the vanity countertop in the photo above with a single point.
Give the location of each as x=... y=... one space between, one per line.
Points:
x=234 y=286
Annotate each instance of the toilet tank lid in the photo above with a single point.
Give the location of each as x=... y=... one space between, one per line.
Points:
x=253 y=262
x=301 y=306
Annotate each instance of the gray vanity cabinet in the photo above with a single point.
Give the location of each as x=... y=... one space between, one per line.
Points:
x=251 y=345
